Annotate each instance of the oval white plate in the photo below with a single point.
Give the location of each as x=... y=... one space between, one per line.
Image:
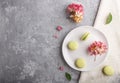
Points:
x=81 y=52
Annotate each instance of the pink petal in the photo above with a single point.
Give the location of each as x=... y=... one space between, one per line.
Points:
x=55 y=36
x=61 y=68
x=59 y=28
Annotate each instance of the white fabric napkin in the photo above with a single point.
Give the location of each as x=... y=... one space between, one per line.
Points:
x=112 y=32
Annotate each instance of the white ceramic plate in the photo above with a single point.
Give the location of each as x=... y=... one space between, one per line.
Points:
x=81 y=52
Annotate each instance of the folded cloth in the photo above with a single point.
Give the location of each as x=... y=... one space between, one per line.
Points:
x=112 y=33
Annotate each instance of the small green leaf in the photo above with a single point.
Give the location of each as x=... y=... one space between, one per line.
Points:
x=109 y=18
x=68 y=76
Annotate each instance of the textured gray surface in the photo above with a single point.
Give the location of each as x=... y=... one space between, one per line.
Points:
x=28 y=51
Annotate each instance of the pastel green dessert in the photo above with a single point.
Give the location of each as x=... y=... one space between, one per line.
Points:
x=108 y=70
x=80 y=63
x=73 y=45
x=85 y=36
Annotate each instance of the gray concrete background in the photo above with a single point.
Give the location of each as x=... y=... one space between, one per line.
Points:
x=28 y=51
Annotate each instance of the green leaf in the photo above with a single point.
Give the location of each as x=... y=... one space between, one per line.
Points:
x=68 y=76
x=109 y=18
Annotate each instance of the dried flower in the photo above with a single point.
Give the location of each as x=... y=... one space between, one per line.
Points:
x=97 y=48
x=76 y=12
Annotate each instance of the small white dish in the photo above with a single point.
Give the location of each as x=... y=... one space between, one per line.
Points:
x=81 y=52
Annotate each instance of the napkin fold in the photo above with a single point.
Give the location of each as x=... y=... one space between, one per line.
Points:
x=112 y=33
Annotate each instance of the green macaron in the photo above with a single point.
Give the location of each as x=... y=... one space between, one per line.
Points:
x=85 y=36
x=80 y=63
x=108 y=70
x=72 y=45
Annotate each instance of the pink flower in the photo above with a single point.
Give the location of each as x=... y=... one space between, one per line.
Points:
x=76 y=12
x=97 y=47
x=59 y=28
x=77 y=8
